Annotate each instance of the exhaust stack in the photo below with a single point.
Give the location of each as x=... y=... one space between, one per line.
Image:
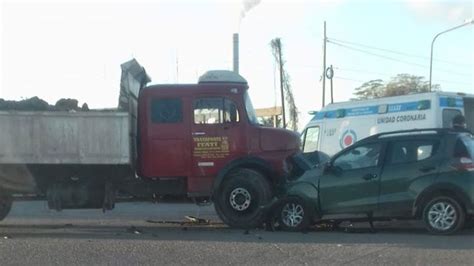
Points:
x=236 y=52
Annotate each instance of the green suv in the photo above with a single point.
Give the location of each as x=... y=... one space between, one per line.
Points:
x=413 y=174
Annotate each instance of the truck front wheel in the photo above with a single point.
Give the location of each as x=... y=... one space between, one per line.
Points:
x=5 y=205
x=240 y=197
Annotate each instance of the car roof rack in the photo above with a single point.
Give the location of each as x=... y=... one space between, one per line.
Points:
x=402 y=132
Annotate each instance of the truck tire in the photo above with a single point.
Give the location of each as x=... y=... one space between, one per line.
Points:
x=240 y=197
x=5 y=205
x=443 y=215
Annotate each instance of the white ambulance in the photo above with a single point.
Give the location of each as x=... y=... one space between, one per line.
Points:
x=339 y=125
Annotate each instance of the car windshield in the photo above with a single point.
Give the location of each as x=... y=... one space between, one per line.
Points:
x=250 y=110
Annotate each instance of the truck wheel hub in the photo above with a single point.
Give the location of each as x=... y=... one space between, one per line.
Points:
x=240 y=199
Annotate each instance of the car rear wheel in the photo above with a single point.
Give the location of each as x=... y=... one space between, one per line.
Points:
x=293 y=215
x=240 y=198
x=443 y=215
x=5 y=205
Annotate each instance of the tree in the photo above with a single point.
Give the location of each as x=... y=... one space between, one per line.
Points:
x=293 y=111
x=401 y=84
x=370 y=90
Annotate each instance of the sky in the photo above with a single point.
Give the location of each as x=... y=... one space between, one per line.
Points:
x=73 y=49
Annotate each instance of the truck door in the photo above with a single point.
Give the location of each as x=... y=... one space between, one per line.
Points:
x=217 y=136
x=165 y=140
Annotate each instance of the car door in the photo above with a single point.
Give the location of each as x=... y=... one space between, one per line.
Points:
x=351 y=181
x=411 y=165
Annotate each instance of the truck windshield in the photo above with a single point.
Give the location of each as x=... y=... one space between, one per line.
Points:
x=250 y=110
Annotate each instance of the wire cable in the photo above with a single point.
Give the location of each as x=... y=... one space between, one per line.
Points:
x=395 y=59
x=387 y=74
x=398 y=52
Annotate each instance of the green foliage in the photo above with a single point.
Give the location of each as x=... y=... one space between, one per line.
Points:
x=370 y=90
x=401 y=84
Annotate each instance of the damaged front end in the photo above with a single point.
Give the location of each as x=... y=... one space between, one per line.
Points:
x=301 y=183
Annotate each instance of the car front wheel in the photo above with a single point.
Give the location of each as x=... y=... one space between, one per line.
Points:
x=443 y=215
x=293 y=215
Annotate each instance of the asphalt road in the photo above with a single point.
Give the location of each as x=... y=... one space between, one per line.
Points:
x=133 y=234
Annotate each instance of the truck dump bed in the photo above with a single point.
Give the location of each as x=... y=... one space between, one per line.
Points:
x=65 y=138
x=100 y=137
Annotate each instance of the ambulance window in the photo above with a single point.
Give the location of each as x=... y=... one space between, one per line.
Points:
x=311 y=138
x=166 y=111
x=448 y=115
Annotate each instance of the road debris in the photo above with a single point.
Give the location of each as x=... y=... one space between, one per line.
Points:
x=134 y=230
x=196 y=220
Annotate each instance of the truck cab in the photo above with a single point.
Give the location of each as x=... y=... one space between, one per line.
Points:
x=204 y=140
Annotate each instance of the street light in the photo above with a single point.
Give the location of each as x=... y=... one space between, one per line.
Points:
x=467 y=22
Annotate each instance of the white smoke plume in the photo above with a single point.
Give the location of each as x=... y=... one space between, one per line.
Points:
x=247 y=5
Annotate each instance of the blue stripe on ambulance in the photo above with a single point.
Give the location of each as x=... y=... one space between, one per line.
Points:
x=391 y=108
x=451 y=102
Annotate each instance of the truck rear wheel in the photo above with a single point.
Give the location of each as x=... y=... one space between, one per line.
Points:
x=5 y=205
x=240 y=197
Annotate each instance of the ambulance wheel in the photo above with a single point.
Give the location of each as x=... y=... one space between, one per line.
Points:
x=240 y=198
x=6 y=202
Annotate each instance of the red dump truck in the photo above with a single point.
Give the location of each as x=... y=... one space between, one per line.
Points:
x=199 y=140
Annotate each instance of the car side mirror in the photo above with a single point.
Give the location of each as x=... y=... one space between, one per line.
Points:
x=327 y=167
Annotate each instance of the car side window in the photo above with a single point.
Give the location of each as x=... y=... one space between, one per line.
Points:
x=359 y=157
x=460 y=149
x=215 y=110
x=409 y=151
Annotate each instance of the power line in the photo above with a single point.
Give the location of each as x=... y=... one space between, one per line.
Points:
x=362 y=71
x=387 y=74
x=398 y=52
x=394 y=59
x=344 y=78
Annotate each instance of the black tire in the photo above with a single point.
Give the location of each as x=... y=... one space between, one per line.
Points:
x=239 y=199
x=443 y=215
x=6 y=202
x=293 y=215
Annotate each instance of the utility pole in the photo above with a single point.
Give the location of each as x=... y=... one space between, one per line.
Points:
x=330 y=77
x=281 y=85
x=467 y=22
x=324 y=65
